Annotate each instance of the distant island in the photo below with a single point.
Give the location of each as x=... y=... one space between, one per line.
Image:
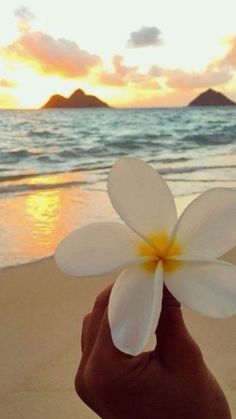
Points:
x=211 y=98
x=78 y=99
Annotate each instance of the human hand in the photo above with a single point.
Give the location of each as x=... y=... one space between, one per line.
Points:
x=170 y=382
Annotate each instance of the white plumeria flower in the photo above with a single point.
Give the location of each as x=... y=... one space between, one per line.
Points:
x=154 y=248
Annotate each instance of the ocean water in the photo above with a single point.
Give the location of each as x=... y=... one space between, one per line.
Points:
x=54 y=165
x=193 y=147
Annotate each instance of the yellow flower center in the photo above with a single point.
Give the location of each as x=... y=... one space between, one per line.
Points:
x=160 y=249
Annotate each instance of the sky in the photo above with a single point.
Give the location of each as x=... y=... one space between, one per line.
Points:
x=128 y=53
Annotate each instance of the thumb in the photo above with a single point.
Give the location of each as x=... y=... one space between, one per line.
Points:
x=175 y=346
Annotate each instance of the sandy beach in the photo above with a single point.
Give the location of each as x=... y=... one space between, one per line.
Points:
x=41 y=312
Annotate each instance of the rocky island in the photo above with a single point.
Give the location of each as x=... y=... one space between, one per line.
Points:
x=78 y=99
x=211 y=98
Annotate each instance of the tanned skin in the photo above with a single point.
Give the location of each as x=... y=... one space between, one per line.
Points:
x=170 y=382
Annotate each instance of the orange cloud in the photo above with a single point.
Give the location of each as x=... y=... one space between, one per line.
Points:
x=161 y=86
x=217 y=73
x=212 y=76
x=48 y=55
x=51 y=56
x=126 y=75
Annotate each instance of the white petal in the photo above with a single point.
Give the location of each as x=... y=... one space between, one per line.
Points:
x=141 y=197
x=134 y=308
x=208 y=287
x=207 y=227
x=97 y=249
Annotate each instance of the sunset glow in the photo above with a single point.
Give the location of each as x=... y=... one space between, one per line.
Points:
x=148 y=55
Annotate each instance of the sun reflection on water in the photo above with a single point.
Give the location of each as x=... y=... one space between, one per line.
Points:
x=43 y=210
x=46 y=212
x=33 y=224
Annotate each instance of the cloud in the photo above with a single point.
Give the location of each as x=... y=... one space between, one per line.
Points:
x=120 y=74
x=51 y=56
x=156 y=71
x=7 y=83
x=145 y=37
x=230 y=58
x=24 y=18
x=216 y=73
x=24 y=13
x=212 y=76
x=126 y=75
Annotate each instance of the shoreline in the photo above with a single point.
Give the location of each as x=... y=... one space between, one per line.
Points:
x=49 y=215
x=41 y=314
